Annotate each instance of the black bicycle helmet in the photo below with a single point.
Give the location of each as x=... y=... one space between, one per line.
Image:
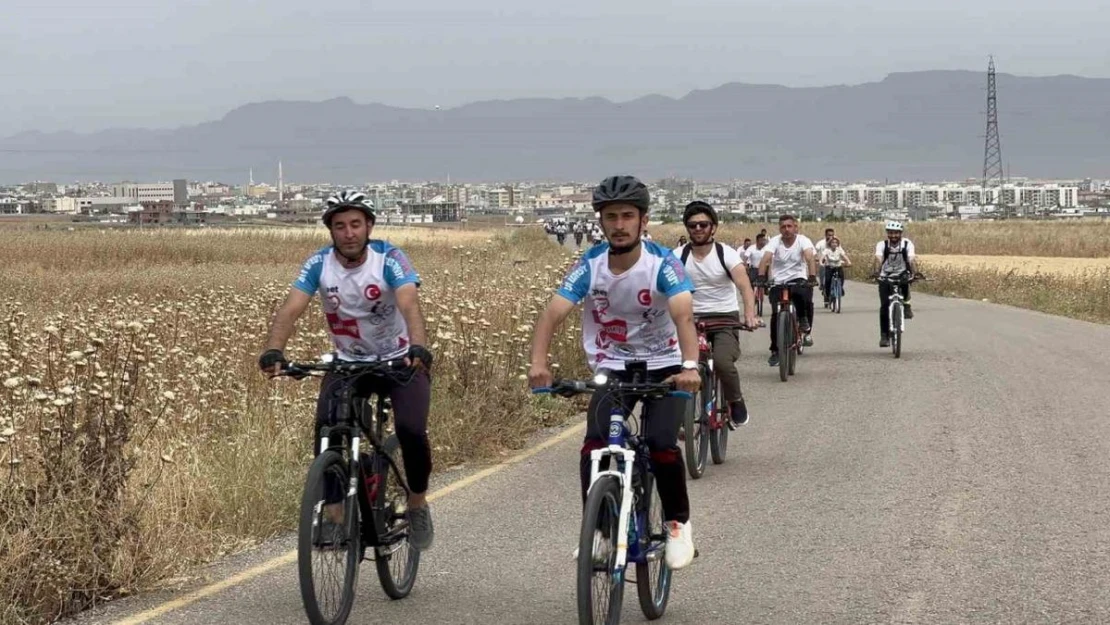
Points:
x=348 y=200
x=622 y=190
x=698 y=207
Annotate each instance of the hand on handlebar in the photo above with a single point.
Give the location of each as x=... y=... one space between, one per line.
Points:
x=539 y=376
x=272 y=361
x=688 y=380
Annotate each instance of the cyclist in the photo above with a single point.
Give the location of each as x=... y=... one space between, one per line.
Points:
x=579 y=231
x=637 y=306
x=744 y=247
x=834 y=260
x=820 y=249
x=561 y=233
x=682 y=241
x=789 y=257
x=368 y=292
x=752 y=259
x=717 y=271
x=895 y=258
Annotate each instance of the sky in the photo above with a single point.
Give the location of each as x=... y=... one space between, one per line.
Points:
x=89 y=65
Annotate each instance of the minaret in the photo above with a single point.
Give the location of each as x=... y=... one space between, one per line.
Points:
x=281 y=184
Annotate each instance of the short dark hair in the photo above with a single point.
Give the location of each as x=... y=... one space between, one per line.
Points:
x=787 y=217
x=761 y=235
x=747 y=240
x=830 y=230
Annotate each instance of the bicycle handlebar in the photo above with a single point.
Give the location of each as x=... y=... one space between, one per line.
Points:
x=304 y=369
x=711 y=325
x=570 y=388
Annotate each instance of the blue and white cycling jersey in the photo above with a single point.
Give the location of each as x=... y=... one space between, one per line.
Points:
x=625 y=317
x=359 y=303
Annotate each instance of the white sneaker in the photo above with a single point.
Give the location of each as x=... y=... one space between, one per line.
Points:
x=680 y=545
x=602 y=548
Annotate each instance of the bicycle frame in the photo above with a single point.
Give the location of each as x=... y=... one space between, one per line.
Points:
x=896 y=300
x=626 y=459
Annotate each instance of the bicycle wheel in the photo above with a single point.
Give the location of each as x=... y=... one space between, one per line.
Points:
x=600 y=588
x=896 y=335
x=328 y=547
x=838 y=295
x=784 y=330
x=696 y=426
x=759 y=302
x=794 y=350
x=718 y=438
x=653 y=578
x=396 y=560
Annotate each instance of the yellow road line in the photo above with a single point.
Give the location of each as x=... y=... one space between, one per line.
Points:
x=290 y=557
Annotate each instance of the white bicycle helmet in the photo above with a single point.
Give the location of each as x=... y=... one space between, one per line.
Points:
x=347 y=200
x=894 y=225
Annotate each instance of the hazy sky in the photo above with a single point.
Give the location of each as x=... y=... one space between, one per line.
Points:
x=90 y=64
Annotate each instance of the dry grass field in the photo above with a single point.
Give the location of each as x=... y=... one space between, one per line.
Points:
x=137 y=437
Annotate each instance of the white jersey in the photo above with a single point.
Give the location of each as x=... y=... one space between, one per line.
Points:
x=359 y=303
x=820 y=249
x=626 y=317
x=754 y=256
x=894 y=264
x=835 y=258
x=714 y=290
x=788 y=263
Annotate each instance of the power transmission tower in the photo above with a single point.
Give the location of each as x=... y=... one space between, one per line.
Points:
x=992 y=150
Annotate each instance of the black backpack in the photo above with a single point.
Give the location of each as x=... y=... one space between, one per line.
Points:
x=720 y=256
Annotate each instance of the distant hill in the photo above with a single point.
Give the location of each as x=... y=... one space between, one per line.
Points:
x=918 y=125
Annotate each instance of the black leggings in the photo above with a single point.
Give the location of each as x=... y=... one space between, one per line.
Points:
x=661 y=435
x=410 y=403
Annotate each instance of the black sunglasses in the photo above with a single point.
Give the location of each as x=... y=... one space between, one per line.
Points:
x=698 y=225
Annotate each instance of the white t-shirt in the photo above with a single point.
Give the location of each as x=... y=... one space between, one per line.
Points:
x=714 y=290
x=754 y=256
x=788 y=263
x=820 y=248
x=834 y=258
x=894 y=265
x=626 y=317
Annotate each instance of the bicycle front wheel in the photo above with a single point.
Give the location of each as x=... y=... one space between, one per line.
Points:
x=695 y=425
x=718 y=437
x=395 y=560
x=896 y=334
x=328 y=546
x=784 y=330
x=653 y=578
x=600 y=586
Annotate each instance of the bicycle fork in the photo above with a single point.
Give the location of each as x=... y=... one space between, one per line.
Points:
x=616 y=450
x=896 y=301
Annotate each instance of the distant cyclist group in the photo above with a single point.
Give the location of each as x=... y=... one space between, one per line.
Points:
x=648 y=315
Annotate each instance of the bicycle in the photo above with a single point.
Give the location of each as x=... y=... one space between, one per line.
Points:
x=371 y=488
x=836 y=291
x=707 y=424
x=897 y=308
x=622 y=521
x=789 y=332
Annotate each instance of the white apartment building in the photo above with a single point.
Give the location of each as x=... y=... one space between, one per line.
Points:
x=62 y=205
x=145 y=192
x=1049 y=195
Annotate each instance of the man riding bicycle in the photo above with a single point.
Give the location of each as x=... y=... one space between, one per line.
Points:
x=822 y=275
x=717 y=271
x=833 y=261
x=790 y=257
x=638 y=306
x=368 y=291
x=752 y=258
x=895 y=259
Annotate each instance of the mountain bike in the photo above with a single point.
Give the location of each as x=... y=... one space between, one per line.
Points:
x=622 y=521
x=897 y=309
x=707 y=423
x=836 y=290
x=789 y=332
x=353 y=503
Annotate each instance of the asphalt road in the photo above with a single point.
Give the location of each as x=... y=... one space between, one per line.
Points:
x=967 y=482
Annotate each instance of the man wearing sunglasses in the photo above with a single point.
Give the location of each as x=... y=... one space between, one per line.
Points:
x=717 y=271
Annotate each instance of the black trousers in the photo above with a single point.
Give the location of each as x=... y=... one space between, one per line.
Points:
x=660 y=433
x=410 y=401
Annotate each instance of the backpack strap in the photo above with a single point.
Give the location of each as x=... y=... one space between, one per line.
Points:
x=685 y=254
x=721 y=257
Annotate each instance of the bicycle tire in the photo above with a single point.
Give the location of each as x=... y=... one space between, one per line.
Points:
x=718 y=439
x=896 y=335
x=784 y=330
x=694 y=427
x=653 y=590
x=307 y=535
x=604 y=496
x=396 y=583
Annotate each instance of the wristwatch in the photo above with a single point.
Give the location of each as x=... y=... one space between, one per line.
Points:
x=689 y=365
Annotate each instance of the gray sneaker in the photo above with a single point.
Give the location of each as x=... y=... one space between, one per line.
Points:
x=421 y=531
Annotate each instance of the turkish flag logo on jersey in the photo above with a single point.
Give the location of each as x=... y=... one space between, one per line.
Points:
x=343 y=327
x=644 y=297
x=373 y=292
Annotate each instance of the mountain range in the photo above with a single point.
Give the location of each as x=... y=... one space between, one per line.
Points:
x=909 y=126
